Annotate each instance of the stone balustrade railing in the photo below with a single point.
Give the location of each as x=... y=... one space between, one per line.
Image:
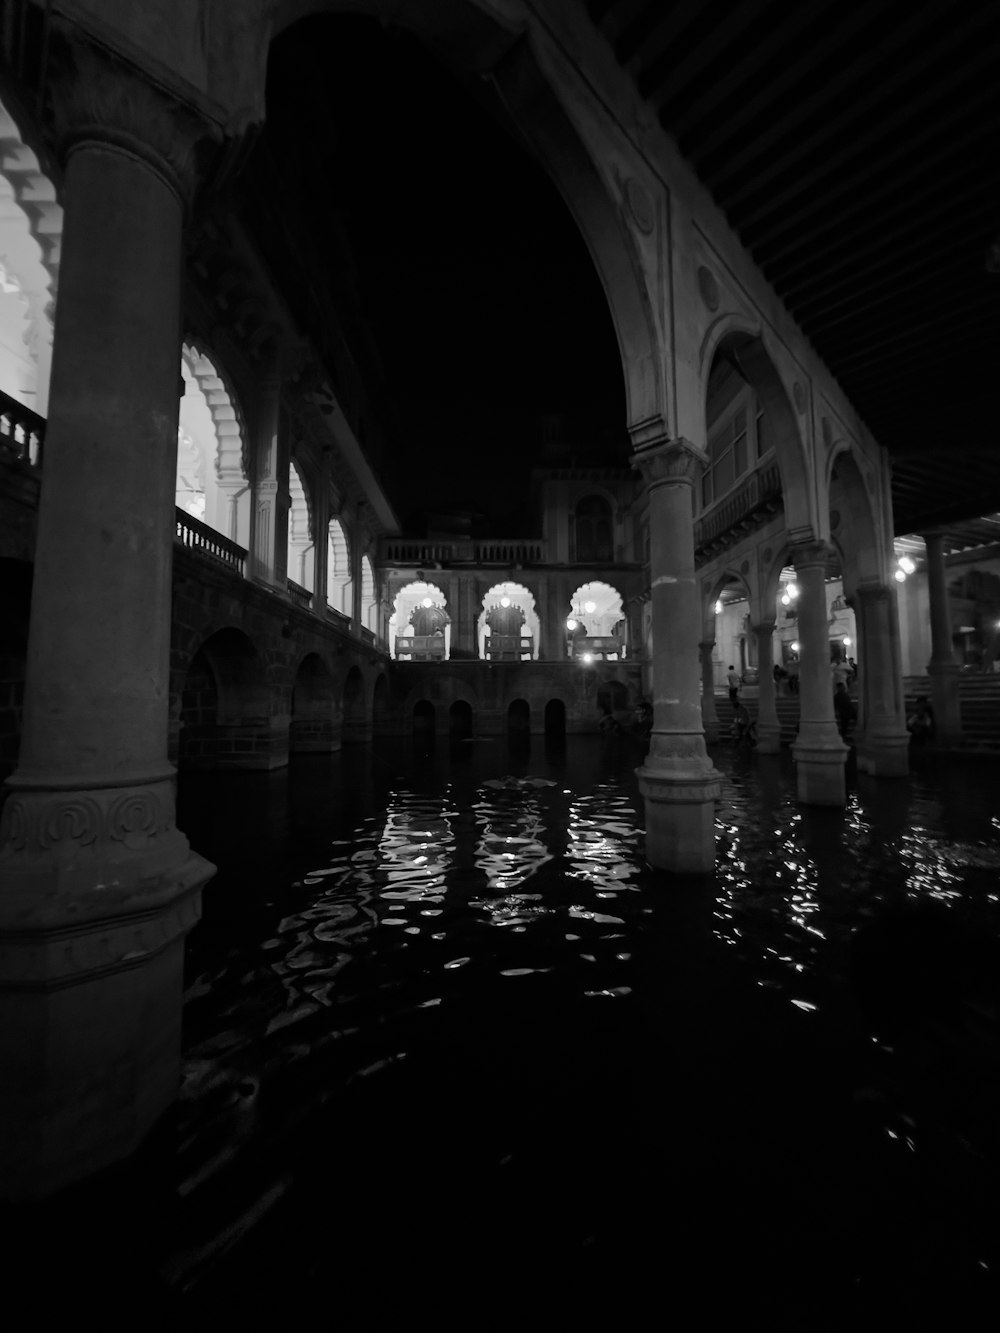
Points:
x=461 y=551
x=301 y=596
x=198 y=536
x=755 y=500
x=22 y=432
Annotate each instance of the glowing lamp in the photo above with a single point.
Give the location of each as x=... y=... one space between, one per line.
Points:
x=795 y=647
x=906 y=564
x=792 y=589
x=847 y=641
x=590 y=607
x=718 y=607
x=587 y=657
x=900 y=576
x=427 y=602
x=505 y=601
x=571 y=624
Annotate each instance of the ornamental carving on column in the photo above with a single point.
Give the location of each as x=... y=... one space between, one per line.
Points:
x=807 y=554
x=98 y=98
x=36 y=822
x=665 y=461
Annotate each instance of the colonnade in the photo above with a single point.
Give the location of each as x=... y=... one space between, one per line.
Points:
x=100 y=886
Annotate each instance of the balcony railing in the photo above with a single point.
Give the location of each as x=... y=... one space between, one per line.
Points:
x=508 y=647
x=461 y=551
x=751 y=504
x=22 y=432
x=198 y=536
x=301 y=596
x=599 y=648
x=420 y=647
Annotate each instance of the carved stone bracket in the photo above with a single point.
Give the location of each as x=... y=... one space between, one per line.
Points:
x=99 y=99
x=666 y=461
x=807 y=554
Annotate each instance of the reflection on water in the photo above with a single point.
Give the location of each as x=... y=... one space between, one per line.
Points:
x=469 y=925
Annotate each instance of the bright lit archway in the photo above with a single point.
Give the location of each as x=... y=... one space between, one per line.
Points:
x=30 y=242
x=300 y=543
x=369 y=600
x=420 y=627
x=596 y=623
x=212 y=483
x=508 y=628
x=339 y=584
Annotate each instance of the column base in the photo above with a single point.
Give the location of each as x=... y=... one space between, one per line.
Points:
x=944 y=678
x=820 y=778
x=680 y=818
x=884 y=756
x=768 y=739
x=90 y=1031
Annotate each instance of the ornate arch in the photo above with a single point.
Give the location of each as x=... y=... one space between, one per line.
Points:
x=478 y=39
x=232 y=461
x=749 y=341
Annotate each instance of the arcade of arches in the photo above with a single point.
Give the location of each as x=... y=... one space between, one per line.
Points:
x=219 y=580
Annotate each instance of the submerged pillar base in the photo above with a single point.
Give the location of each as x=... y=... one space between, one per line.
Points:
x=768 y=739
x=884 y=756
x=680 y=818
x=820 y=773
x=99 y=892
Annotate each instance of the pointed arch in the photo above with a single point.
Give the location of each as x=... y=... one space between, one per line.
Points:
x=300 y=529
x=212 y=477
x=748 y=346
x=527 y=78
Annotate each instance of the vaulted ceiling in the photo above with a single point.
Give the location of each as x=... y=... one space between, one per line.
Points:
x=854 y=148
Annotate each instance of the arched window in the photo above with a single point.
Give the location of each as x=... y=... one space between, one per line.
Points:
x=339 y=584
x=595 y=543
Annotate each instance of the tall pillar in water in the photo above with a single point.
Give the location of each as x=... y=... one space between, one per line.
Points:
x=818 y=749
x=768 y=726
x=677 y=780
x=883 y=743
x=709 y=717
x=943 y=669
x=99 y=886
x=269 y=530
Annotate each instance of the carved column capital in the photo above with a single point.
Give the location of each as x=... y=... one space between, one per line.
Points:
x=101 y=101
x=808 y=554
x=665 y=461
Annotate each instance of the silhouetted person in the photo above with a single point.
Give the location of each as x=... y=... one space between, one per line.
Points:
x=733 y=677
x=843 y=708
x=920 y=723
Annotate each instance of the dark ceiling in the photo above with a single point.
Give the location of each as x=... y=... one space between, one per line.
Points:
x=854 y=148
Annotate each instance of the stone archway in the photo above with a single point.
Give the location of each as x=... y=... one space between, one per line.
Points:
x=315 y=722
x=508 y=624
x=212 y=479
x=30 y=245
x=772 y=428
x=525 y=74
x=301 y=563
x=225 y=707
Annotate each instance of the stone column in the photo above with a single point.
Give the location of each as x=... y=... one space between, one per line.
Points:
x=882 y=740
x=709 y=717
x=943 y=669
x=678 y=780
x=270 y=501
x=819 y=751
x=768 y=726
x=99 y=885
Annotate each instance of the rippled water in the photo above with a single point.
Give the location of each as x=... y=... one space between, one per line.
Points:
x=461 y=962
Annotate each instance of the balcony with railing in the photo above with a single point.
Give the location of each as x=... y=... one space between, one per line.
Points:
x=420 y=647
x=598 y=648
x=196 y=536
x=431 y=553
x=747 y=508
x=509 y=647
x=22 y=432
